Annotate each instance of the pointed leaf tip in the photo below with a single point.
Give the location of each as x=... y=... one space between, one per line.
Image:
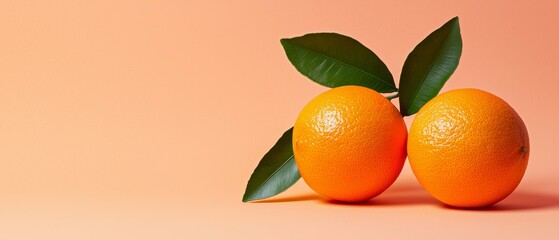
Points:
x=276 y=172
x=334 y=60
x=429 y=66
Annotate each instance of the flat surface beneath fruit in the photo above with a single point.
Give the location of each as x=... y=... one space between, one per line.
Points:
x=404 y=211
x=144 y=119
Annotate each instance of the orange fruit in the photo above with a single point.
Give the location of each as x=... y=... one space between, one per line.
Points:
x=468 y=148
x=349 y=143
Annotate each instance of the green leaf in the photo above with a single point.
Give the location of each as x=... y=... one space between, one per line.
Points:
x=429 y=66
x=334 y=60
x=275 y=173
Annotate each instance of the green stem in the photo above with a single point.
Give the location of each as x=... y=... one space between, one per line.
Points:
x=392 y=96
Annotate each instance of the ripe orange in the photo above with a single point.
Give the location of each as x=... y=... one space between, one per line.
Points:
x=468 y=148
x=349 y=143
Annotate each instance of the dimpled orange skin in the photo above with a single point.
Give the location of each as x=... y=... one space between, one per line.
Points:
x=468 y=148
x=349 y=143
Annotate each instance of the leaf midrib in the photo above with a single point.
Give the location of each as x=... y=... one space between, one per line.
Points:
x=343 y=63
x=271 y=175
x=430 y=67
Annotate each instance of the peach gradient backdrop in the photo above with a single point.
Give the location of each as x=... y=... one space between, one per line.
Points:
x=144 y=119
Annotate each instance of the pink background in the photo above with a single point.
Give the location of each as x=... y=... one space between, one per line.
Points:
x=145 y=119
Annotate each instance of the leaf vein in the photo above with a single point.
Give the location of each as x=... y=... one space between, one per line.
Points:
x=274 y=173
x=345 y=64
x=413 y=99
